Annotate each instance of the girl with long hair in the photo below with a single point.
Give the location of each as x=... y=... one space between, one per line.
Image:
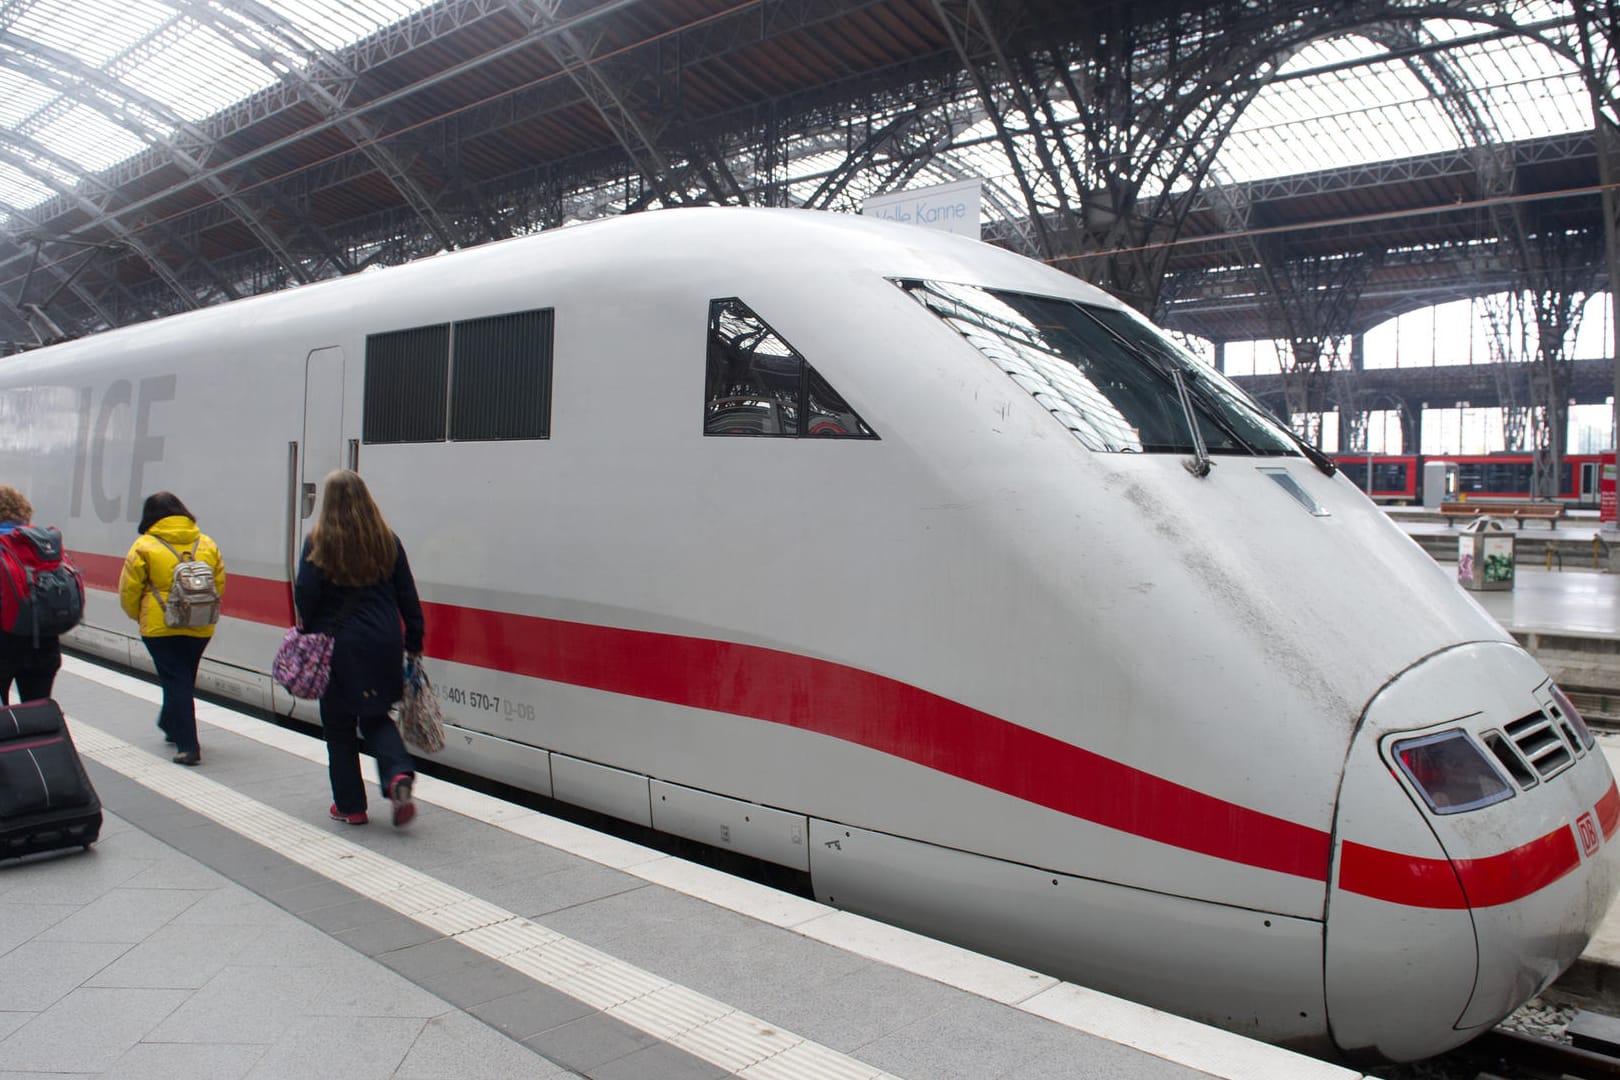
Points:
x=354 y=583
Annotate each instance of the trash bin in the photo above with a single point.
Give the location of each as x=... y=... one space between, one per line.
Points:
x=1485 y=555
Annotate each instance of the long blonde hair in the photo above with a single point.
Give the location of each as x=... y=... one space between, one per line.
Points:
x=351 y=541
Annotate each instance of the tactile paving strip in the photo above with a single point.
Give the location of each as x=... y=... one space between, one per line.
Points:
x=701 y=1026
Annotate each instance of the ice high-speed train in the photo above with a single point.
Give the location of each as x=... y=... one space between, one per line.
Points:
x=901 y=560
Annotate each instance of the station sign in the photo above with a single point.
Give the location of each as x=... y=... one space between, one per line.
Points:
x=951 y=207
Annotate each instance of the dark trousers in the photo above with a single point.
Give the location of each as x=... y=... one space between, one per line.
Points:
x=176 y=658
x=31 y=684
x=343 y=730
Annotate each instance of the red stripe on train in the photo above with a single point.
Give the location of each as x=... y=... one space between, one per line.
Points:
x=881 y=714
x=259 y=600
x=915 y=725
x=1608 y=811
x=1461 y=883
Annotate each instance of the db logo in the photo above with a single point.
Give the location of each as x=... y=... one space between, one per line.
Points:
x=1589 y=834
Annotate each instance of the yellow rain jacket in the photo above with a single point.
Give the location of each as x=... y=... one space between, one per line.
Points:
x=149 y=565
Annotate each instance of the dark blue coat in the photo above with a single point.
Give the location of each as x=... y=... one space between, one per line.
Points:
x=368 y=656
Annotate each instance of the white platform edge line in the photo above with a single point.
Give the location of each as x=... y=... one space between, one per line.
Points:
x=637 y=998
x=1176 y=1039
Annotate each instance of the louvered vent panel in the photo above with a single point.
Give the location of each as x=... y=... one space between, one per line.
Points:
x=1538 y=739
x=407 y=373
x=500 y=381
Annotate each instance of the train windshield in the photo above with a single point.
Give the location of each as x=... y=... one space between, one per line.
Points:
x=1107 y=375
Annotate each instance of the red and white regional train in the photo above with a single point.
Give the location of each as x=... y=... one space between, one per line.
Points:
x=1398 y=478
x=892 y=557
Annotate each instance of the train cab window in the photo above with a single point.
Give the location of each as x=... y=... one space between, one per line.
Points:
x=1451 y=773
x=758 y=384
x=1108 y=376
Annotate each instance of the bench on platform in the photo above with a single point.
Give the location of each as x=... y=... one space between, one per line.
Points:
x=1549 y=512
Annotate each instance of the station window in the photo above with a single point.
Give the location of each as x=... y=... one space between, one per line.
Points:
x=758 y=384
x=474 y=380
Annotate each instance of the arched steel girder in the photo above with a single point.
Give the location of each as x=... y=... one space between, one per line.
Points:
x=326 y=82
x=1539 y=260
x=1469 y=115
x=1598 y=25
x=28 y=163
x=420 y=29
x=164 y=36
x=1130 y=141
x=145 y=118
x=67 y=280
x=87 y=192
x=626 y=117
x=978 y=43
x=1317 y=298
x=901 y=148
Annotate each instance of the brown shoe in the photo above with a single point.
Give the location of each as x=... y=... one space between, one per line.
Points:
x=189 y=757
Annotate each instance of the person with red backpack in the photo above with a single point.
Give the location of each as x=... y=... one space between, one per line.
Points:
x=41 y=596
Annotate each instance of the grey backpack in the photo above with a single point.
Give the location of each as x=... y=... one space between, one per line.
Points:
x=193 y=598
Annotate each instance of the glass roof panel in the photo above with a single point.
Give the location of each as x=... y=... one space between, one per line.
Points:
x=206 y=78
x=188 y=69
x=93 y=32
x=1317 y=115
x=17 y=185
x=19 y=97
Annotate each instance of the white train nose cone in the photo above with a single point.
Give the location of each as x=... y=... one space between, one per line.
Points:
x=1475 y=852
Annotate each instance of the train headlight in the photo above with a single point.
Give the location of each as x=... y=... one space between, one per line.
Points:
x=1573 y=716
x=1451 y=773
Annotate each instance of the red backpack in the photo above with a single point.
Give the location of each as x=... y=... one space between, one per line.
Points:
x=41 y=592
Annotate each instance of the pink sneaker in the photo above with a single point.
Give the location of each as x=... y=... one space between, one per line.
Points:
x=399 y=793
x=352 y=819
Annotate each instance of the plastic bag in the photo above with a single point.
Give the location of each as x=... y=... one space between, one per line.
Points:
x=420 y=722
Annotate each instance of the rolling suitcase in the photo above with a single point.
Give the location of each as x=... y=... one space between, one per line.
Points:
x=46 y=799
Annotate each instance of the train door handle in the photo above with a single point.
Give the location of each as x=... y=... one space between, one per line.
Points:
x=307 y=503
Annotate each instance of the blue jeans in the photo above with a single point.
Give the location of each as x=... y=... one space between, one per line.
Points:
x=343 y=731
x=176 y=657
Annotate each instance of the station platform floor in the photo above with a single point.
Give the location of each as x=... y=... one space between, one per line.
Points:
x=1576 y=602
x=223 y=927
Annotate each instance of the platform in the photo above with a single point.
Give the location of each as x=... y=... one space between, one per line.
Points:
x=223 y=927
x=1564 y=607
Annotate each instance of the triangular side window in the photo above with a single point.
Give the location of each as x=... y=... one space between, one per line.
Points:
x=758 y=384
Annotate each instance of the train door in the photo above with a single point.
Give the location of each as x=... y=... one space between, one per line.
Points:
x=1587 y=495
x=323 y=430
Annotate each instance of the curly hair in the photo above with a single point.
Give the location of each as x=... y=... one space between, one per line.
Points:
x=351 y=540
x=14 y=506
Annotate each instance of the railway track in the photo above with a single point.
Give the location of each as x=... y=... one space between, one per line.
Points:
x=1554 y=1037
x=1522 y=1055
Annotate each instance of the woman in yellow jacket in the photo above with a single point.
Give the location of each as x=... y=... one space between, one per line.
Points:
x=169 y=536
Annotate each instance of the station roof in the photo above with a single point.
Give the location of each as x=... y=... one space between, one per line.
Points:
x=174 y=137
